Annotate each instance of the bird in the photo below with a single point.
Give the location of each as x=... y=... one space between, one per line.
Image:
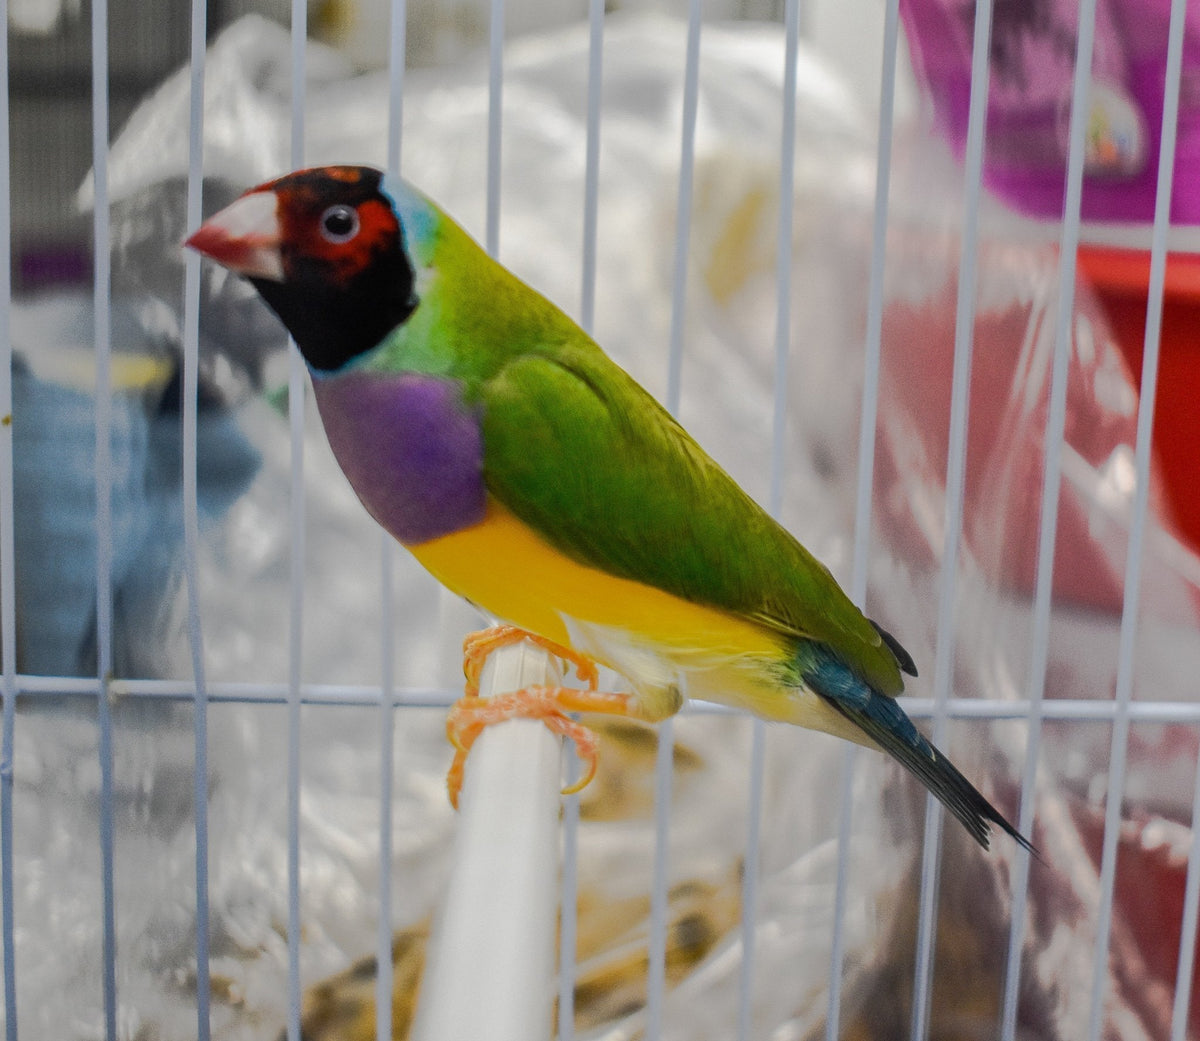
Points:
x=533 y=476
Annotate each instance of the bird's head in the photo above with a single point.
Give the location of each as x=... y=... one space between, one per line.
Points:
x=328 y=249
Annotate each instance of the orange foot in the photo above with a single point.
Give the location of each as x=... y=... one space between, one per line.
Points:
x=471 y=714
x=477 y=646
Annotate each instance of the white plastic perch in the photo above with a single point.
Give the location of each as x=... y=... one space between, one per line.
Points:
x=490 y=968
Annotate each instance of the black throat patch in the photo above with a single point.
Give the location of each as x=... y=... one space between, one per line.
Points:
x=333 y=324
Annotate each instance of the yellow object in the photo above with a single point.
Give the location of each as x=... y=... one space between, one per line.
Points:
x=667 y=647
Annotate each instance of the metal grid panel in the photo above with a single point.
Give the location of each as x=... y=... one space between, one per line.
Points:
x=387 y=698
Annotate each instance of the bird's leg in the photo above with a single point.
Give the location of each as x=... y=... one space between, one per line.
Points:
x=471 y=713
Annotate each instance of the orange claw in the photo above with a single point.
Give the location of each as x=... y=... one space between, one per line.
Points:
x=470 y=714
x=478 y=645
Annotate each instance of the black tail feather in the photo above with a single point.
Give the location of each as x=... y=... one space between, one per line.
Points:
x=931 y=767
x=903 y=658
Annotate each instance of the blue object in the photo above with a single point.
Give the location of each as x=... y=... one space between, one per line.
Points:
x=55 y=518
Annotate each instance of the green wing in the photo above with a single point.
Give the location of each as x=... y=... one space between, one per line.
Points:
x=581 y=453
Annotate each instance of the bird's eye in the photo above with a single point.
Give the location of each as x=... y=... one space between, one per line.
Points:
x=339 y=224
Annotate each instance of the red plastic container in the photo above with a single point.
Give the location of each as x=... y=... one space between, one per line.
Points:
x=1121 y=278
x=1015 y=323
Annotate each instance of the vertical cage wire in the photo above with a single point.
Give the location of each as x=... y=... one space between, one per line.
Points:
x=8 y=589
x=387 y=742
x=495 y=114
x=591 y=171
x=569 y=888
x=568 y=916
x=756 y=767
x=384 y=968
x=664 y=758
x=864 y=486
x=297 y=526
x=1187 y=926
x=1048 y=522
x=1118 y=755
x=956 y=458
x=102 y=330
x=189 y=409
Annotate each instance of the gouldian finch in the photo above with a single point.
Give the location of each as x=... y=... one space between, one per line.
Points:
x=531 y=475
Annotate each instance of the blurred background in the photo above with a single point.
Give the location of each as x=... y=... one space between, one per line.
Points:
x=50 y=79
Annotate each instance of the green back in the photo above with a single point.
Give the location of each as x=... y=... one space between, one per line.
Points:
x=588 y=459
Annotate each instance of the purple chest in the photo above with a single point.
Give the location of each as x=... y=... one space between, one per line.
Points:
x=411 y=448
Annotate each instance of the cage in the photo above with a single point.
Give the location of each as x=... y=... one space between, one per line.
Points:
x=918 y=273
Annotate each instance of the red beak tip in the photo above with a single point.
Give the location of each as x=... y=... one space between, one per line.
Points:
x=203 y=239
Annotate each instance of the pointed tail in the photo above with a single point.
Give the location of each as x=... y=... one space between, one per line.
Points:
x=883 y=720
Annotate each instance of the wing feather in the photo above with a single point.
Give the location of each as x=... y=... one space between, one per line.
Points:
x=580 y=452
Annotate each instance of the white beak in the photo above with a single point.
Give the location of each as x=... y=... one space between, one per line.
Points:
x=244 y=237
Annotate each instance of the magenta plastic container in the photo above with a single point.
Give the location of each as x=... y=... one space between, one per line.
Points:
x=1029 y=101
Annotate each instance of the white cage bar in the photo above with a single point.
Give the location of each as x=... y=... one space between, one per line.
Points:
x=390 y=698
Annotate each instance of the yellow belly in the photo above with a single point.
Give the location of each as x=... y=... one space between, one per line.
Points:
x=512 y=573
x=508 y=570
